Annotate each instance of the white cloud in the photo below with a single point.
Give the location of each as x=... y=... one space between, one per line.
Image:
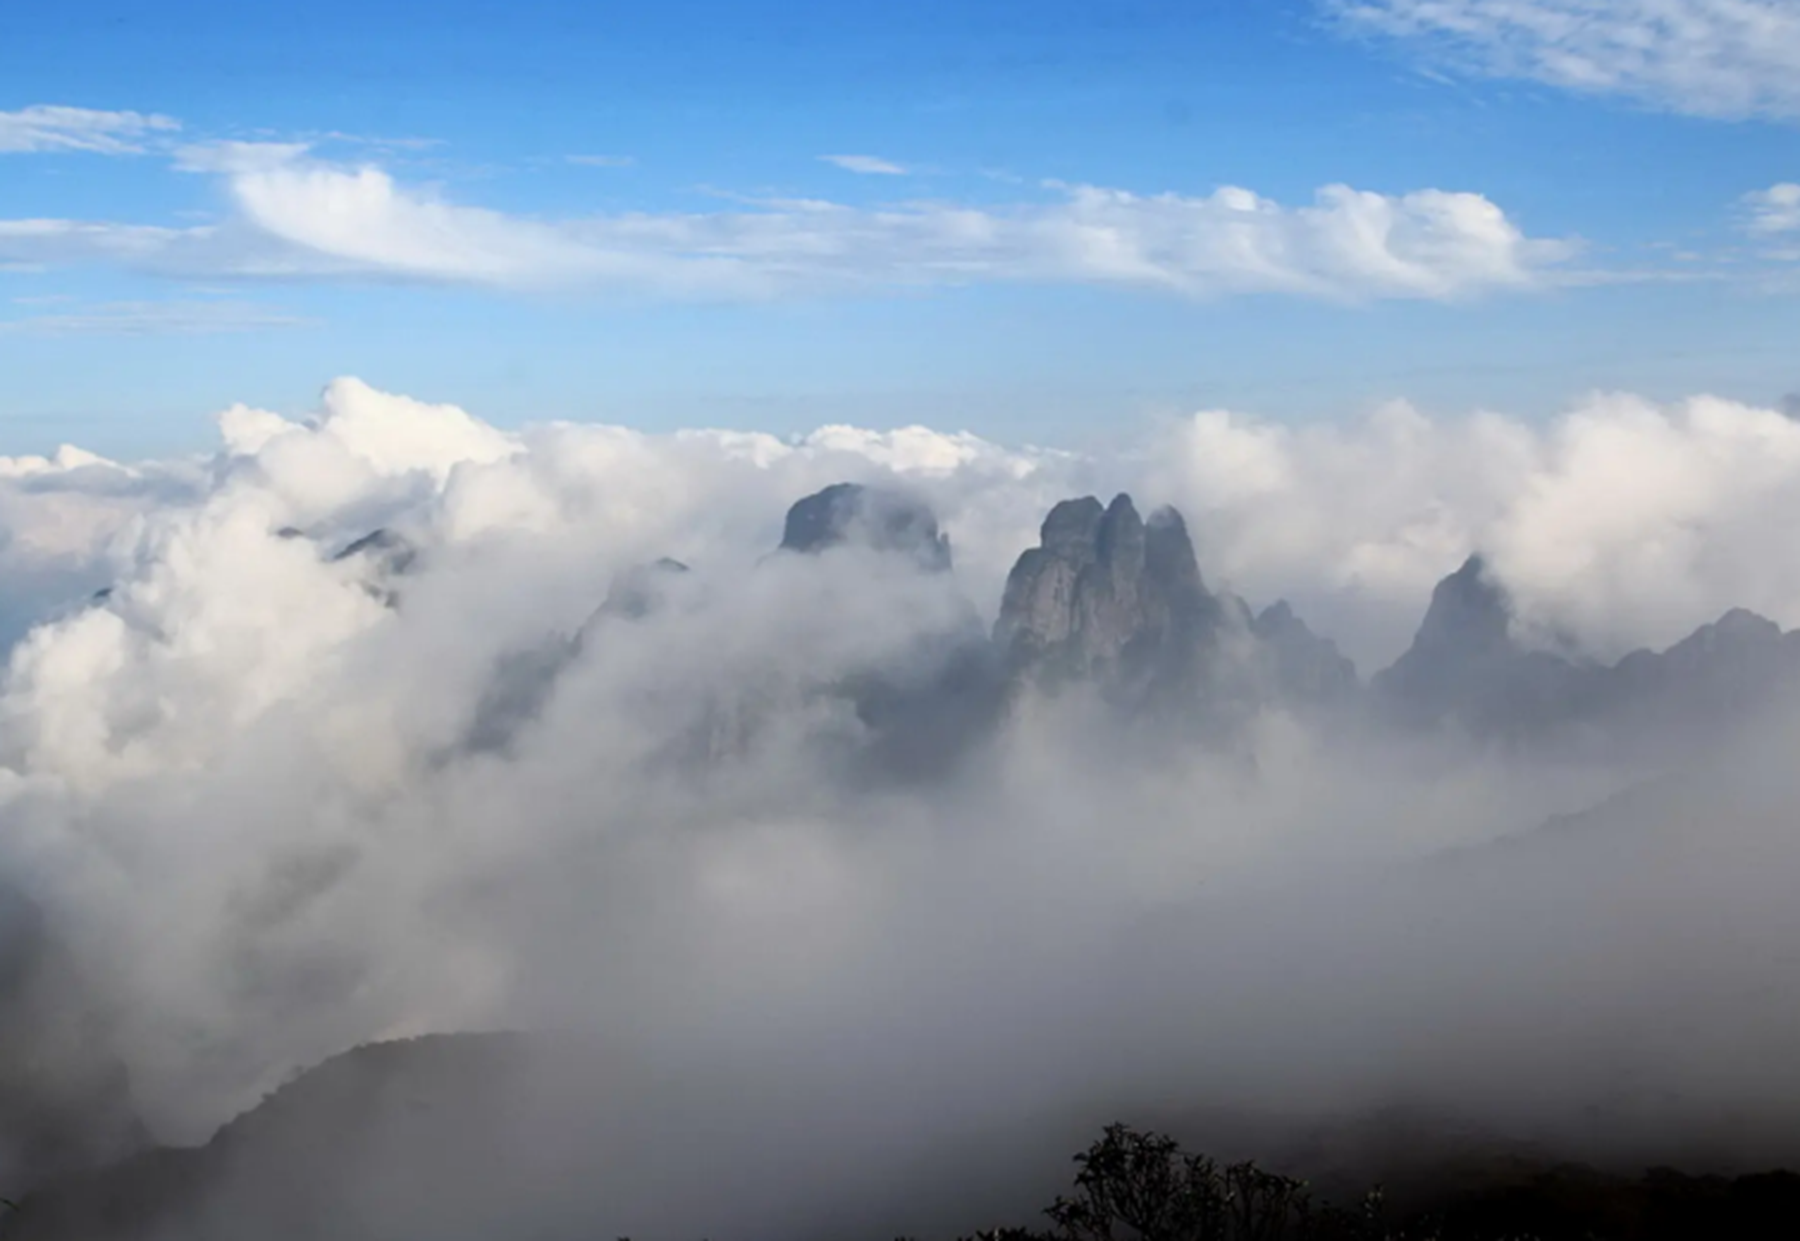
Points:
x=601 y=161
x=1774 y=210
x=236 y=158
x=1718 y=58
x=299 y=218
x=43 y=242
x=44 y=127
x=179 y=316
x=867 y=165
x=240 y=714
x=1623 y=523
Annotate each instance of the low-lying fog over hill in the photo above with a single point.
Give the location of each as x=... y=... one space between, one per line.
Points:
x=854 y=823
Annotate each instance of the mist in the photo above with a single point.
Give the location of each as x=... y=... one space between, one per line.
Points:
x=275 y=792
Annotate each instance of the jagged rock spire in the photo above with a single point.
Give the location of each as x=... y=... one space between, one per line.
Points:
x=1108 y=596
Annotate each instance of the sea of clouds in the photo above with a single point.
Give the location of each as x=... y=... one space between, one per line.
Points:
x=237 y=775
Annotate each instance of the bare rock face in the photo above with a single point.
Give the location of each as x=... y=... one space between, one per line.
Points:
x=1109 y=598
x=874 y=517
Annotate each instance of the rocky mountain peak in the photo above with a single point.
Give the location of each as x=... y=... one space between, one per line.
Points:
x=1464 y=664
x=1169 y=558
x=1072 y=528
x=1469 y=614
x=880 y=518
x=1108 y=596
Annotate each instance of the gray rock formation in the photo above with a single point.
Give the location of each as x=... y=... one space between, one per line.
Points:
x=1107 y=598
x=874 y=517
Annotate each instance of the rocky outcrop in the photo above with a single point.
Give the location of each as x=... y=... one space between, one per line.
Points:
x=1118 y=602
x=1109 y=598
x=850 y=514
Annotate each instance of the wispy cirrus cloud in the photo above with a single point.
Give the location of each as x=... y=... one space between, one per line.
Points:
x=46 y=127
x=179 y=317
x=293 y=216
x=1719 y=58
x=867 y=165
x=233 y=157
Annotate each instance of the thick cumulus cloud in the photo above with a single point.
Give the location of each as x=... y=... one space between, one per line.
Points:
x=276 y=793
x=1621 y=524
x=59 y=515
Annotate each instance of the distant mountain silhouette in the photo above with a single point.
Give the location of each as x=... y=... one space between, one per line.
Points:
x=1466 y=668
x=877 y=517
x=1117 y=604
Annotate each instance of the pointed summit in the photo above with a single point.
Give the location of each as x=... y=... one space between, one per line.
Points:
x=1464 y=665
x=1071 y=529
x=1468 y=616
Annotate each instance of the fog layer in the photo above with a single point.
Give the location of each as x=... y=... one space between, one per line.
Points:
x=280 y=790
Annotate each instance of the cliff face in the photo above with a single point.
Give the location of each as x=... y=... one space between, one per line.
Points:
x=1109 y=598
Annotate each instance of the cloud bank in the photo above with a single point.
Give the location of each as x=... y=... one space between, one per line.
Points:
x=1729 y=59
x=258 y=790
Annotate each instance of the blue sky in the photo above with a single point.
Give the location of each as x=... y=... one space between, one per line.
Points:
x=1037 y=220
